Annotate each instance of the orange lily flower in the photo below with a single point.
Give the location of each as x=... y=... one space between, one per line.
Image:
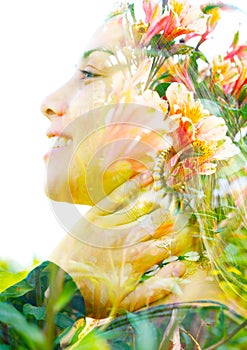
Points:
x=181 y=18
x=178 y=72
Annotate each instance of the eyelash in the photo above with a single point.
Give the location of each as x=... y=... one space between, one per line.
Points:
x=87 y=75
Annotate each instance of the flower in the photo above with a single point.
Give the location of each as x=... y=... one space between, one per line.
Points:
x=200 y=138
x=211 y=128
x=182 y=103
x=237 y=54
x=152 y=99
x=230 y=74
x=236 y=50
x=180 y=18
x=131 y=82
x=225 y=73
x=138 y=29
x=241 y=81
x=152 y=10
x=230 y=70
x=177 y=71
x=214 y=15
x=213 y=19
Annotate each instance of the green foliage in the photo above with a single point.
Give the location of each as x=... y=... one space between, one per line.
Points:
x=27 y=311
x=203 y=322
x=30 y=335
x=208 y=8
x=141 y=327
x=161 y=88
x=37 y=310
x=9 y=274
x=17 y=290
x=93 y=341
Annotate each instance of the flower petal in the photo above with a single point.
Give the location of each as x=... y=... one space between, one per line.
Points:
x=211 y=128
x=226 y=150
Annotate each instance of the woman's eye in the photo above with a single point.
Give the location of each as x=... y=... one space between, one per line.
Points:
x=86 y=74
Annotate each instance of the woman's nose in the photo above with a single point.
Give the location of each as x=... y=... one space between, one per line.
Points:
x=53 y=105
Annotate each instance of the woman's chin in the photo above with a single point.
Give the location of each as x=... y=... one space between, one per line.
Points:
x=65 y=195
x=86 y=189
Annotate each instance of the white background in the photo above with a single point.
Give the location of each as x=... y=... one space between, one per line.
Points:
x=41 y=41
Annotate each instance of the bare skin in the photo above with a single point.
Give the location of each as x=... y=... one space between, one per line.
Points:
x=113 y=245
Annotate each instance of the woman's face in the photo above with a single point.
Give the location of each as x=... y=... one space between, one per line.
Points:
x=89 y=88
x=97 y=80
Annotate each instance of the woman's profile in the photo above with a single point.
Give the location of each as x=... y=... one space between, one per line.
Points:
x=148 y=140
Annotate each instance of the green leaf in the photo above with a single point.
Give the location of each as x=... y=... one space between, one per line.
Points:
x=8 y=278
x=63 y=321
x=120 y=345
x=38 y=312
x=156 y=39
x=218 y=91
x=243 y=110
x=76 y=335
x=131 y=7
x=66 y=295
x=232 y=166
x=32 y=336
x=5 y=347
x=200 y=55
x=221 y=318
x=180 y=50
x=92 y=341
x=236 y=38
x=243 y=93
x=161 y=88
x=145 y=332
x=161 y=77
x=17 y=290
x=193 y=69
x=222 y=6
x=211 y=106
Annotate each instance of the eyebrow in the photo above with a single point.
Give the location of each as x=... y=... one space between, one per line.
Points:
x=100 y=49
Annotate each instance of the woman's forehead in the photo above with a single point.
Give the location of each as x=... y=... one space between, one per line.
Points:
x=111 y=35
x=104 y=44
x=96 y=58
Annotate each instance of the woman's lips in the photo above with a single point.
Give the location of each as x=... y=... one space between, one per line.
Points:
x=58 y=143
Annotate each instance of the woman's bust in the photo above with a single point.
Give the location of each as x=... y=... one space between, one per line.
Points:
x=142 y=136
x=146 y=160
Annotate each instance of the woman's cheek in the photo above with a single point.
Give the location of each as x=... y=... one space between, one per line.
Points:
x=89 y=184
x=90 y=96
x=79 y=174
x=92 y=176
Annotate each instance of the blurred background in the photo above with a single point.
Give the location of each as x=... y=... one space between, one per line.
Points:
x=41 y=42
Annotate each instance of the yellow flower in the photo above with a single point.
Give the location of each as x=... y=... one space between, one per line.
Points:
x=138 y=30
x=203 y=150
x=224 y=72
x=152 y=99
x=180 y=18
x=178 y=71
x=215 y=15
x=190 y=17
x=182 y=102
x=211 y=128
x=241 y=65
x=200 y=138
